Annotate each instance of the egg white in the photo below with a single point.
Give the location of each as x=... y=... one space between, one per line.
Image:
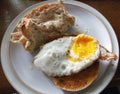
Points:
x=53 y=58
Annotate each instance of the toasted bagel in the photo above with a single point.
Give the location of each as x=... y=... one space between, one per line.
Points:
x=79 y=80
x=41 y=25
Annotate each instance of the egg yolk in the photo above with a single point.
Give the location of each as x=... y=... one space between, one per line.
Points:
x=83 y=47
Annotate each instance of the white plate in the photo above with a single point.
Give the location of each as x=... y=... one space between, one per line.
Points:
x=16 y=62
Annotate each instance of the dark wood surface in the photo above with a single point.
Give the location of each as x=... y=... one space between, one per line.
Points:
x=9 y=9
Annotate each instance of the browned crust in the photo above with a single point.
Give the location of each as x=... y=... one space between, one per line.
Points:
x=43 y=7
x=108 y=56
x=24 y=27
x=78 y=81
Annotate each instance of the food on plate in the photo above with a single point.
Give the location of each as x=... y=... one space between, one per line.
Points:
x=67 y=55
x=67 y=58
x=41 y=25
x=72 y=61
x=78 y=81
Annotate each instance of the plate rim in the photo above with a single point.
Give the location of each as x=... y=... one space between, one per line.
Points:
x=26 y=89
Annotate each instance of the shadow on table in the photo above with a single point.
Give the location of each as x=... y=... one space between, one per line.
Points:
x=111 y=90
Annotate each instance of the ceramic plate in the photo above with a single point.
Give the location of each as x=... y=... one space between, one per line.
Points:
x=26 y=79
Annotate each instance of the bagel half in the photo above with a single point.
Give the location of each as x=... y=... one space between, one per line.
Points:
x=78 y=81
x=41 y=25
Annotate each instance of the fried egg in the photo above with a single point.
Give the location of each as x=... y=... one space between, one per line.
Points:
x=67 y=55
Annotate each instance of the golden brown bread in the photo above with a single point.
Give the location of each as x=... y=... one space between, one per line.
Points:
x=41 y=25
x=79 y=80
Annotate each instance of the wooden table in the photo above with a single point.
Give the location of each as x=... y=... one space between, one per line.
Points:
x=9 y=9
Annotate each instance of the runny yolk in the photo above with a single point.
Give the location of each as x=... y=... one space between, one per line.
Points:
x=83 y=47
